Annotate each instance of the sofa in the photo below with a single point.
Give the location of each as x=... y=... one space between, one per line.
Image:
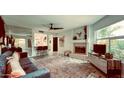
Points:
x=30 y=69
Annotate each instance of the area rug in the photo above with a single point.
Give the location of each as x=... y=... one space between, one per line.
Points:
x=66 y=67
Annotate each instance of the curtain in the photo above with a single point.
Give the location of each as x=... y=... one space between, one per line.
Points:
x=2 y=30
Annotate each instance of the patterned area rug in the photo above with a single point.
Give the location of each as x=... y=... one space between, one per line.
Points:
x=66 y=67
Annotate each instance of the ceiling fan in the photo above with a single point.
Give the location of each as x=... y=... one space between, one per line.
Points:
x=50 y=27
x=54 y=28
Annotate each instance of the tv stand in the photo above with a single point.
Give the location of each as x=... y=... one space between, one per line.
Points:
x=110 y=67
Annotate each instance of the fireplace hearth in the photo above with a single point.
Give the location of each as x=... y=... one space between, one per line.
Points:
x=80 y=49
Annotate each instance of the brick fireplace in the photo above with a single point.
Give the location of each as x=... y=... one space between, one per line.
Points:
x=79 y=48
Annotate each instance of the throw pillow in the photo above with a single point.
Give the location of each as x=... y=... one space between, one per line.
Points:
x=15 y=75
x=8 y=66
x=16 y=68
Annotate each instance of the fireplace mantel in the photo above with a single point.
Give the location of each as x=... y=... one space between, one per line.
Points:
x=79 y=41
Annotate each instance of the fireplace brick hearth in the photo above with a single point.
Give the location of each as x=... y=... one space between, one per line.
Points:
x=80 y=49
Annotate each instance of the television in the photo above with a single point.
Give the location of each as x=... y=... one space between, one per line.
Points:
x=99 y=48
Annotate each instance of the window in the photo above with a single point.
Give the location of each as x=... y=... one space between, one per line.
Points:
x=113 y=37
x=19 y=42
x=111 y=31
x=117 y=48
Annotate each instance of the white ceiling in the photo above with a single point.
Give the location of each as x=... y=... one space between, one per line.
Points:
x=39 y=21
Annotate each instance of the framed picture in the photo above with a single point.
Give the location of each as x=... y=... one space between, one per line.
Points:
x=61 y=41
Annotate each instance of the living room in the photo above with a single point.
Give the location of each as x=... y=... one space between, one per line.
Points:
x=58 y=45
x=87 y=55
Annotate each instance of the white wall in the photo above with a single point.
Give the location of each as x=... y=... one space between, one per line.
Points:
x=68 y=45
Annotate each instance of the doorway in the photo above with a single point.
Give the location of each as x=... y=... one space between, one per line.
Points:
x=55 y=44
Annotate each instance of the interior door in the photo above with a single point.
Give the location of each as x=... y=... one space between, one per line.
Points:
x=55 y=44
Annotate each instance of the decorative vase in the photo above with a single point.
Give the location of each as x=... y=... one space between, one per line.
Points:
x=74 y=38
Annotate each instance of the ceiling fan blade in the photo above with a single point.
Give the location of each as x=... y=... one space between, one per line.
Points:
x=57 y=28
x=41 y=31
x=54 y=28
